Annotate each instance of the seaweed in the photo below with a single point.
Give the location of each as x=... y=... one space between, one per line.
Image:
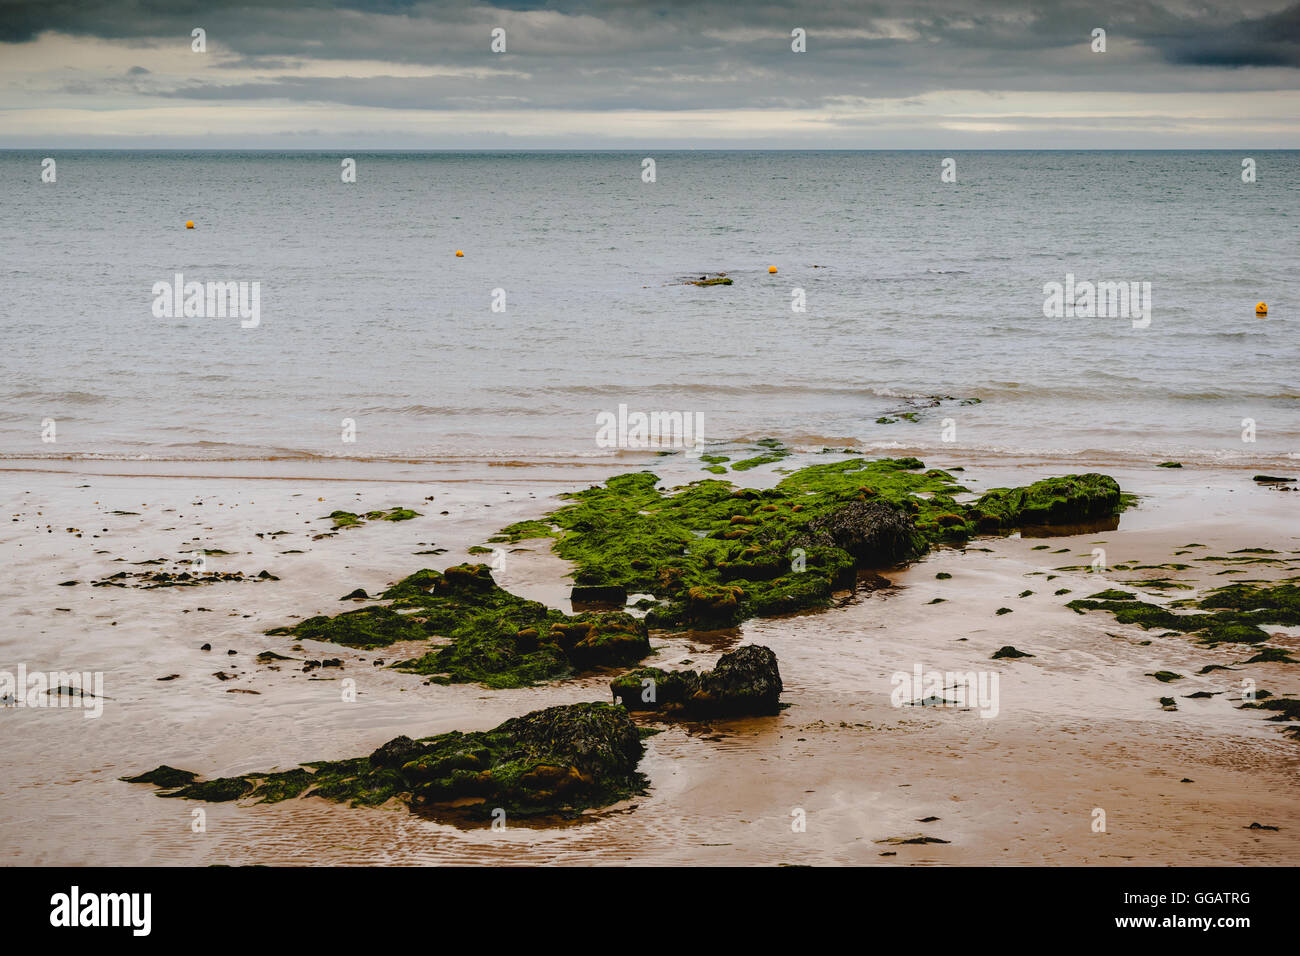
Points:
x=557 y=761
x=714 y=555
x=347 y=519
x=1238 y=610
x=745 y=682
x=497 y=638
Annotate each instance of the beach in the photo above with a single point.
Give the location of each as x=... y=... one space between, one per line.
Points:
x=1078 y=726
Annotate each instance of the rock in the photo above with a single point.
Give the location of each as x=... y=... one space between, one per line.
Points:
x=713 y=604
x=1071 y=499
x=745 y=682
x=163 y=777
x=1270 y=478
x=875 y=532
x=396 y=752
x=560 y=760
x=358 y=595
x=599 y=594
x=602 y=639
x=1007 y=651
x=466 y=577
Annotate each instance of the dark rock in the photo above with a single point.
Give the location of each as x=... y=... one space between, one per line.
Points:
x=560 y=760
x=876 y=533
x=745 y=682
x=599 y=594
x=164 y=777
x=398 y=751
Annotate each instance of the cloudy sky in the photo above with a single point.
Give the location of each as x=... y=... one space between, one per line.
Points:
x=622 y=73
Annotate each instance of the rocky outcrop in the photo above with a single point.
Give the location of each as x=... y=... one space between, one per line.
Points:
x=875 y=533
x=745 y=682
x=1071 y=499
x=560 y=760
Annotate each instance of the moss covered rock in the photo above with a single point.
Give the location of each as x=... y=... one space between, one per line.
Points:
x=560 y=760
x=745 y=682
x=1071 y=499
x=497 y=638
x=1228 y=615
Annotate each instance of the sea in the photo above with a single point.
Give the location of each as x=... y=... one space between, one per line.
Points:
x=910 y=306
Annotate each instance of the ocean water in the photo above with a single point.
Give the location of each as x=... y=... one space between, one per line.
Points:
x=921 y=297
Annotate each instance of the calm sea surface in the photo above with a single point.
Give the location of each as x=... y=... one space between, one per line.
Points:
x=921 y=296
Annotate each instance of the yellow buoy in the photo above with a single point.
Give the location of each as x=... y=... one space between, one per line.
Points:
x=771 y=269
x=459 y=254
x=1261 y=308
x=189 y=224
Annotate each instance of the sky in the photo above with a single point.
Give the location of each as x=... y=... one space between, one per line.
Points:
x=610 y=74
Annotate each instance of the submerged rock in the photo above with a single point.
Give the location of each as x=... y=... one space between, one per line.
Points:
x=745 y=682
x=560 y=760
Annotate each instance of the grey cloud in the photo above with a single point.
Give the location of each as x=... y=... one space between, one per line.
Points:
x=685 y=54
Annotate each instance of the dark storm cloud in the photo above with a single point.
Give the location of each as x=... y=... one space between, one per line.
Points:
x=704 y=54
x=1272 y=40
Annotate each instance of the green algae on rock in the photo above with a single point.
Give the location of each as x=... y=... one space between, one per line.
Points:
x=1287 y=709
x=561 y=760
x=497 y=638
x=745 y=682
x=346 y=519
x=1238 y=609
x=713 y=554
x=1072 y=499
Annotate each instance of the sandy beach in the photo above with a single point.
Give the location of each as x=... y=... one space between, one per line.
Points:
x=1079 y=726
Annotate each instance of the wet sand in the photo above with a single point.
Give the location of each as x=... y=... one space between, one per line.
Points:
x=1079 y=725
